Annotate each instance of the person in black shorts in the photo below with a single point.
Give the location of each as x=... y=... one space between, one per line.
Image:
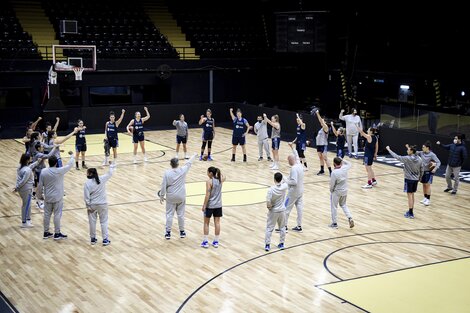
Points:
x=371 y=149
x=300 y=140
x=212 y=205
x=136 y=129
x=241 y=127
x=111 y=134
x=413 y=167
x=80 y=144
x=340 y=140
x=208 y=134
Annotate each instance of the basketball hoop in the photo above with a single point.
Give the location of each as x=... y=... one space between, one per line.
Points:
x=78 y=72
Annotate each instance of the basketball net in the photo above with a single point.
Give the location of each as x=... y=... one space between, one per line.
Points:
x=78 y=72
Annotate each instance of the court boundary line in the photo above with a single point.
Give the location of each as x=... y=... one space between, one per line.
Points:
x=8 y=303
x=325 y=260
x=308 y=243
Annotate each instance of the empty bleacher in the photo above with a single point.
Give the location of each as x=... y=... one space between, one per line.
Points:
x=118 y=30
x=15 y=43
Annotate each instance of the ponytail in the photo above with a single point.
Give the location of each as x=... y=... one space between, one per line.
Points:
x=92 y=173
x=215 y=172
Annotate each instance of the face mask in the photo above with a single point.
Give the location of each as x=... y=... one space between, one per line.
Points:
x=260 y=121
x=89 y=176
x=354 y=113
x=455 y=141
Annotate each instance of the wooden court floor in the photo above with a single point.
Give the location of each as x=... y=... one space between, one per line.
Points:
x=385 y=264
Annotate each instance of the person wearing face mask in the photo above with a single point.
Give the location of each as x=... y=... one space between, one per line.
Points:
x=457 y=155
x=261 y=131
x=413 y=170
x=352 y=122
x=96 y=202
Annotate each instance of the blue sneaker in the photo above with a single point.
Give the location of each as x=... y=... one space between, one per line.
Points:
x=167 y=235
x=409 y=215
x=106 y=242
x=205 y=244
x=280 y=246
x=267 y=247
x=215 y=244
x=209 y=158
x=93 y=241
x=200 y=158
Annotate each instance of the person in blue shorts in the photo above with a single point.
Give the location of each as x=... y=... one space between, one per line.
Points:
x=208 y=134
x=241 y=127
x=111 y=134
x=136 y=129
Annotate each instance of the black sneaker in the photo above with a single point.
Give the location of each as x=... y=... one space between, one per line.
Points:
x=297 y=229
x=232 y=160
x=167 y=235
x=447 y=189
x=182 y=234
x=106 y=242
x=77 y=168
x=454 y=192
x=84 y=166
x=59 y=236
x=351 y=223
x=269 y=159
x=260 y=159
x=47 y=235
x=93 y=241
x=244 y=159
x=321 y=172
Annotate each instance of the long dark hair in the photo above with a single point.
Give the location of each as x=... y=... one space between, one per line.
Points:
x=92 y=173
x=24 y=160
x=215 y=172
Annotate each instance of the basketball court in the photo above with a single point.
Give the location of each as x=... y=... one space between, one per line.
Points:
x=386 y=263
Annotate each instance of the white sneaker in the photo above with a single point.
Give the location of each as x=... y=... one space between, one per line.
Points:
x=422 y=201
x=26 y=225
x=104 y=163
x=275 y=167
x=305 y=169
x=427 y=202
x=134 y=161
x=40 y=205
x=29 y=223
x=186 y=157
x=272 y=165
x=367 y=186
x=145 y=159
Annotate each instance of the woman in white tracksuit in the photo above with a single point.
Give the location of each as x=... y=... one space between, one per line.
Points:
x=96 y=202
x=352 y=134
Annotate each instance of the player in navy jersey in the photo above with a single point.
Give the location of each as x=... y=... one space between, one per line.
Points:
x=111 y=134
x=300 y=140
x=340 y=140
x=370 y=154
x=208 y=133
x=136 y=129
x=80 y=144
x=241 y=127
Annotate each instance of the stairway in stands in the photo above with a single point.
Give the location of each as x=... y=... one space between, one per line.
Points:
x=164 y=21
x=33 y=19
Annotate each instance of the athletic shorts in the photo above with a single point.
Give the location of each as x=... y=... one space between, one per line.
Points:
x=181 y=139
x=213 y=212
x=207 y=136
x=137 y=138
x=300 y=147
x=113 y=142
x=427 y=177
x=368 y=160
x=276 y=143
x=340 y=152
x=322 y=149
x=238 y=141
x=80 y=148
x=410 y=186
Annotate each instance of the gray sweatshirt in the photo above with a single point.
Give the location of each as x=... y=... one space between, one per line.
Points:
x=51 y=183
x=261 y=130
x=413 y=165
x=41 y=157
x=276 y=197
x=174 y=181
x=25 y=177
x=95 y=194
x=295 y=181
x=427 y=158
x=181 y=128
x=339 y=179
